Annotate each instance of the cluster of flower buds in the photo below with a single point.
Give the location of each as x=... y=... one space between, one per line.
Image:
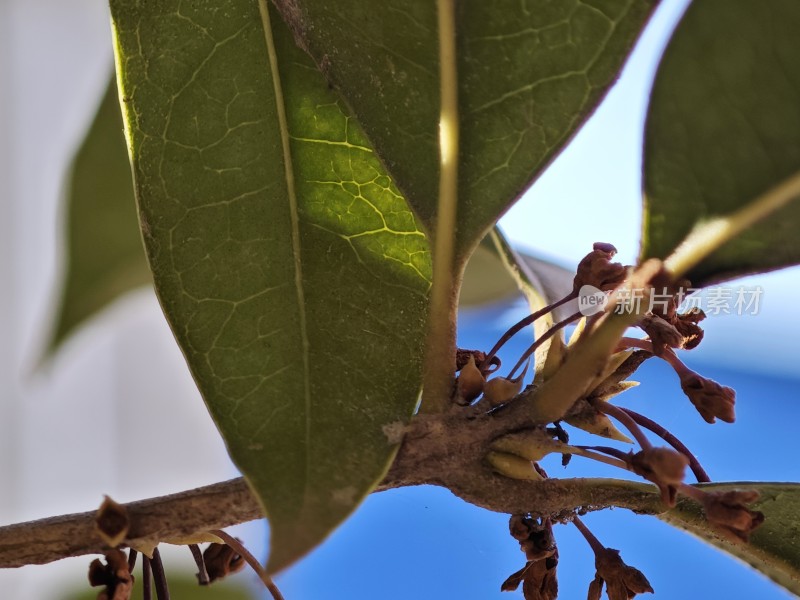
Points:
x=516 y=454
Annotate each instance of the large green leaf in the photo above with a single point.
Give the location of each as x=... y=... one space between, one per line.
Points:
x=289 y=267
x=105 y=257
x=529 y=73
x=723 y=128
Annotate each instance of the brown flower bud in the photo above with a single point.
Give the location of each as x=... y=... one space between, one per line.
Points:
x=221 y=560
x=662 y=333
x=662 y=466
x=520 y=527
x=470 y=383
x=595 y=589
x=622 y=582
x=111 y=522
x=687 y=325
x=540 y=544
x=728 y=510
x=538 y=580
x=114 y=575
x=596 y=268
x=711 y=399
x=512 y=582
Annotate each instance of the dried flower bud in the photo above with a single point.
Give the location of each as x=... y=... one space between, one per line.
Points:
x=470 y=383
x=112 y=522
x=711 y=399
x=500 y=390
x=221 y=560
x=662 y=466
x=622 y=582
x=662 y=333
x=539 y=545
x=728 y=510
x=538 y=580
x=596 y=268
x=114 y=575
x=687 y=325
x=520 y=527
x=595 y=589
x=513 y=580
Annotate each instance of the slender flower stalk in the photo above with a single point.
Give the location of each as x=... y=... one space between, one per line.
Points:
x=202 y=573
x=586 y=532
x=711 y=399
x=132 y=559
x=594 y=453
x=147 y=579
x=522 y=324
x=542 y=339
x=159 y=577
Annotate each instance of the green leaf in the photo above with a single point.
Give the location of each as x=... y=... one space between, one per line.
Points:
x=548 y=356
x=292 y=272
x=488 y=279
x=722 y=130
x=105 y=258
x=774 y=547
x=528 y=73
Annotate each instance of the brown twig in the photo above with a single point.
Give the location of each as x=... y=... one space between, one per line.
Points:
x=443 y=450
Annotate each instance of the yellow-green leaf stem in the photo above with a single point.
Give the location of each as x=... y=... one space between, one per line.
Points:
x=709 y=235
x=722 y=142
x=440 y=347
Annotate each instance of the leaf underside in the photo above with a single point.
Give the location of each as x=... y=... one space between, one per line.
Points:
x=722 y=128
x=105 y=258
x=528 y=76
x=487 y=279
x=774 y=547
x=295 y=279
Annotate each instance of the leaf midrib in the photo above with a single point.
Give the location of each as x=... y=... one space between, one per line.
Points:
x=295 y=226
